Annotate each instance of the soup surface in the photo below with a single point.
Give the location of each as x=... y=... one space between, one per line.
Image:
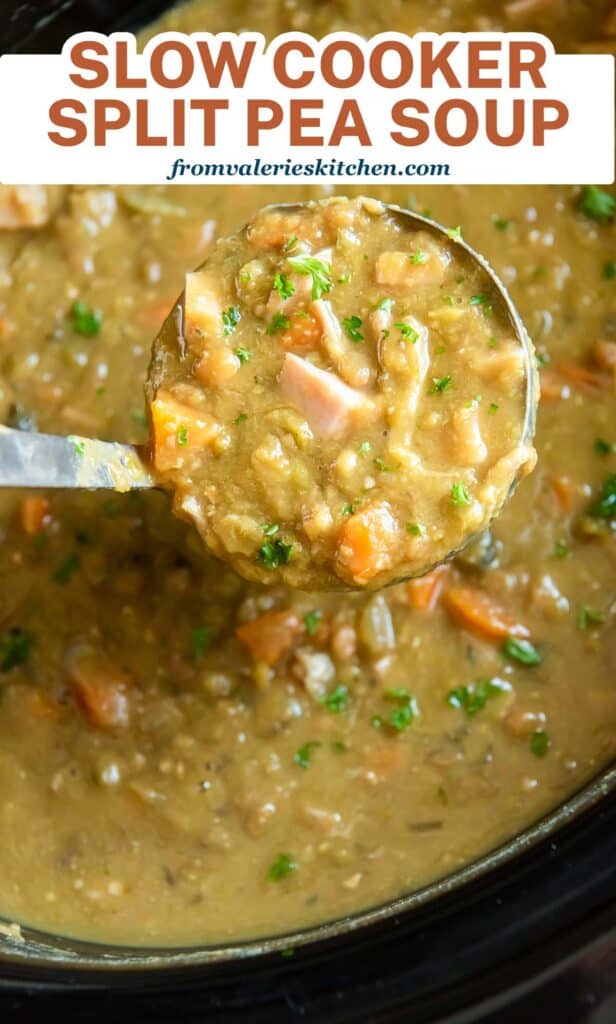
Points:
x=340 y=398
x=185 y=756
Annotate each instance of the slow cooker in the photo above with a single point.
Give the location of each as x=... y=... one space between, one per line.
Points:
x=526 y=932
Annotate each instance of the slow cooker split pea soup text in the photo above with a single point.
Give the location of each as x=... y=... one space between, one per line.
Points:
x=187 y=755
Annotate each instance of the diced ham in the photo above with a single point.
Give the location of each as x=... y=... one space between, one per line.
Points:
x=329 y=405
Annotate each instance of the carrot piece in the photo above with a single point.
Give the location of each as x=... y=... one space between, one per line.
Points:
x=365 y=543
x=34 y=515
x=478 y=612
x=552 y=386
x=581 y=376
x=303 y=335
x=178 y=430
x=99 y=687
x=423 y=593
x=604 y=354
x=270 y=636
x=564 y=491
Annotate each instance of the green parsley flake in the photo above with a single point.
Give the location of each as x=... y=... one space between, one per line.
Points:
x=408 y=333
x=182 y=436
x=352 y=326
x=270 y=529
x=290 y=244
x=561 y=550
x=604 y=447
x=240 y=418
x=84 y=321
x=493 y=408
x=478 y=300
x=273 y=554
x=386 y=304
x=243 y=354
x=455 y=233
x=283 y=865
x=344 y=279
x=279 y=322
x=418 y=257
x=415 y=529
x=605 y=507
x=230 y=319
x=589 y=617
x=320 y=272
x=440 y=384
x=312 y=621
x=500 y=223
x=540 y=743
x=382 y=466
x=78 y=446
x=338 y=700
x=200 y=639
x=459 y=495
x=609 y=270
x=284 y=286
x=350 y=508
x=15 y=648
x=405 y=714
x=364 y=448
x=516 y=649
x=474 y=697
x=596 y=203
x=303 y=756
x=65 y=572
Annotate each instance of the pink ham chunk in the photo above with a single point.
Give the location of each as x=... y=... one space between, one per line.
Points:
x=331 y=407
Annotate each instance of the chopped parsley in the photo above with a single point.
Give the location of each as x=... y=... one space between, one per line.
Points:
x=596 y=203
x=460 y=495
x=78 y=446
x=478 y=300
x=440 y=384
x=540 y=743
x=275 y=553
x=493 y=408
x=284 y=286
x=419 y=257
x=605 y=506
x=474 y=697
x=320 y=272
x=352 y=326
x=84 y=321
x=270 y=529
x=230 y=319
x=415 y=529
x=589 y=617
x=515 y=649
x=65 y=572
x=500 y=223
x=403 y=715
x=408 y=333
x=386 y=304
x=364 y=448
x=382 y=465
x=200 y=639
x=303 y=756
x=15 y=647
x=338 y=700
x=604 y=447
x=243 y=354
x=182 y=436
x=344 y=279
x=561 y=550
x=290 y=244
x=455 y=233
x=279 y=322
x=312 y=621
x=609 y=270
x=283 y=865
x=350 y=508
x=240 y=418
